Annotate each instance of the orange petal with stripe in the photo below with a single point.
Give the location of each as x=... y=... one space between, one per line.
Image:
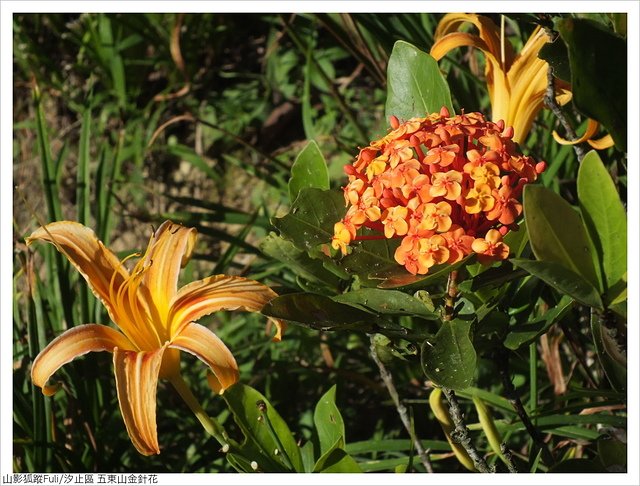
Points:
x=95 y=262
x=207 y=347
x=71 y=344
x=137 y=382
x=215 y=293
x=169 y=250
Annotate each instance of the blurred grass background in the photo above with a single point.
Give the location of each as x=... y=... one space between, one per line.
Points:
x=122 y=121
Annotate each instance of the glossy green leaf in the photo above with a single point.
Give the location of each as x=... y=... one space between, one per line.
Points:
x=449 y=359
x=563 y=280
x=598 y=59
x=308 y=268
x=522 y=335
x=311 y=218
x=337 y=461
x=308 y=170
x=612 y=359
x=557 y=55
x=262 y=437
x=328 y=422
x=398 y=277
x=490 y=331
x=324 y=314
x=415 y=86
x=604 y=216
x=392 y=302
x=318 y=311
x=557 y=233
x=370 y=256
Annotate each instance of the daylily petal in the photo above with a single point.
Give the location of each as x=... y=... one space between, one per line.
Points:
x=602 y=143
x=96 y=263
x=454 y=40
x=487 y=30
x=169 y=249
x=218 y=292
x=71 y=344
x=206 y=346
x=591 y=130
x=137 y=382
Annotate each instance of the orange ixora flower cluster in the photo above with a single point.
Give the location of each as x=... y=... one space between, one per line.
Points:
x=447 y=185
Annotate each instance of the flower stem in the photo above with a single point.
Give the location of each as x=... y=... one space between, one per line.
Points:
x=211 y=425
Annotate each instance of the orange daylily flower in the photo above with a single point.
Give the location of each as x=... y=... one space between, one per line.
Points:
x=517 y=83
x=155 y=319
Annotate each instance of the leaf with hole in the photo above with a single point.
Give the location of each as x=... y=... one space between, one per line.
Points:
x=267 y=437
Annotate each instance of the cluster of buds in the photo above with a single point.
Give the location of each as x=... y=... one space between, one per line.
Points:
x=447 y=185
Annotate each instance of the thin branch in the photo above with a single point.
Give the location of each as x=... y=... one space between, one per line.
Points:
x=550 y=101
x=508 y=458
x=402 y=410
x=461 y=433
x=502 y=361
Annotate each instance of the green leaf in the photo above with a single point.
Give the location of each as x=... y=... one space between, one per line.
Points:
x=398 y=277
x=262 y=437
x=604 y=216
x=563 y=280
x=324 y=314
x=311 y=218
x=557 y=55
x=328 y=422
x=449 y=359
x=318 y=312
x=557 y=233
x=392 y=445
x=337 y=461
x=390 y=302
x=308 y=170
x=415 y=86
x=612 y=359
x=299 y=261
x=598 y=59
x=613 y=454
x=522 y=335
x=370 y=256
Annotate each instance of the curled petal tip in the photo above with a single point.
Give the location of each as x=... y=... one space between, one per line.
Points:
x=50 y=390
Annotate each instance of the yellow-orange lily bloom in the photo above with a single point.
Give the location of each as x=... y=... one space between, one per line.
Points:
x=156 y=320
x=517 y=83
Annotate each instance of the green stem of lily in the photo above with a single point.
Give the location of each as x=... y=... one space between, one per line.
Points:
x=211 y=425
